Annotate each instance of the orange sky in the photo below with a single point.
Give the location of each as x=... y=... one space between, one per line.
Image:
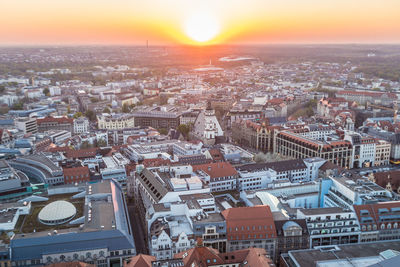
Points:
x=163 y=21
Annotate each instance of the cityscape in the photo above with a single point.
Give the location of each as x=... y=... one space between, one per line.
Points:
x=202 y=152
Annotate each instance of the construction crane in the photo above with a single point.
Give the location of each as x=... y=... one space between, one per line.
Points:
x=395 y=109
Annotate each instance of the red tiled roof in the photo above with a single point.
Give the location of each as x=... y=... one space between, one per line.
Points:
x=156 y=162
x=361 y=93
x=59 y=149
x=216 y=170
x=52 y=119
x=81 y=153
x=383 y=178
x=140 y=260
x=84 y=170
x=200 y=256
x=249 y=223
x=275 y=101
x=374 y=213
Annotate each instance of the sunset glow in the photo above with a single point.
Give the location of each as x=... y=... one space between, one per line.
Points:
x=198 y=22
x=201 y=27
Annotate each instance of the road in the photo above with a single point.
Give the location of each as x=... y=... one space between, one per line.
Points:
x=137 y=230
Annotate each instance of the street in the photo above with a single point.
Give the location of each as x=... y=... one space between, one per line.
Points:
x=137 y=230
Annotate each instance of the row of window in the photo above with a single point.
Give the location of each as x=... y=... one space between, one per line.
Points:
x=260 y=227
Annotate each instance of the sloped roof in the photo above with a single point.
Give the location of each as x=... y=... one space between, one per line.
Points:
x=383 y=178
x=216 y=170
x=141 y=260
x=52 y=119
x=249 y=221
x=279 y=166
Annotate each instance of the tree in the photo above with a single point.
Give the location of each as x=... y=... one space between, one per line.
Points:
x=106 y=110
x=101 y=143
x=78 y=114
x=125 y=108
x=46 y=91
x=90 y=115
x=184 y=129
x=163 y=131
x=18 y=106
x=94 y=100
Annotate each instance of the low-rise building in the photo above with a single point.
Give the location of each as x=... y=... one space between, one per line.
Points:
x=81 y=125
x=379 y=221
x=157 y=119
x=291 y=235
x=254 y=135
x=382 y=153
x=26 y=125
x=330 y=226
x=115 y=121
x=250 y=227
x=372 y=254
x=102 y=236
x=55 y=123
x=219 y=176
x=76 y=175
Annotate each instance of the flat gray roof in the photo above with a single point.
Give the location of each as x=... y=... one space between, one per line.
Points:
x=310 y=257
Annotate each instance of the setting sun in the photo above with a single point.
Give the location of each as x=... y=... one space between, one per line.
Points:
x=201 y=27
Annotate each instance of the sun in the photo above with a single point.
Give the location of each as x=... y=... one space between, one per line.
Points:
x=201 y=27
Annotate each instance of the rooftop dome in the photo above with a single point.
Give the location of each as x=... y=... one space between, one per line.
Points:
x=290 y=224
x=57 y=212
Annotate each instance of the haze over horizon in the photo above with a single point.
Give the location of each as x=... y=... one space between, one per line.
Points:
x=132 y=22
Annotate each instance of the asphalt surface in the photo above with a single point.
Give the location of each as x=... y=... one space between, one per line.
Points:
x=137 y=230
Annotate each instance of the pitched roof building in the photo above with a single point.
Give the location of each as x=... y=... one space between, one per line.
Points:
x=76 y=175
x=140 y=260
x=201 y=256
x=220 y=176
x=379 y=221
x=250 y=227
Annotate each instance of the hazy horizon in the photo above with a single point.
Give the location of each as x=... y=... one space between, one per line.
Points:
x=177 y=22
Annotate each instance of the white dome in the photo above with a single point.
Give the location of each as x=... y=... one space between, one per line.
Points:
x=57 y=212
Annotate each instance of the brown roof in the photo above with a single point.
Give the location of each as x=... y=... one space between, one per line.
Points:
x=216 y=154
x=383 y=178
x=362 y=93
x=216 y=170
x=76 y=171
x=156 y=162
x=140 y=260
x=52 y=119
x=329 y=166
x=81 y=153
x=59 y=149
x=249 y=223
x=205 y=256
x=375 y=213
x=198 y=256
